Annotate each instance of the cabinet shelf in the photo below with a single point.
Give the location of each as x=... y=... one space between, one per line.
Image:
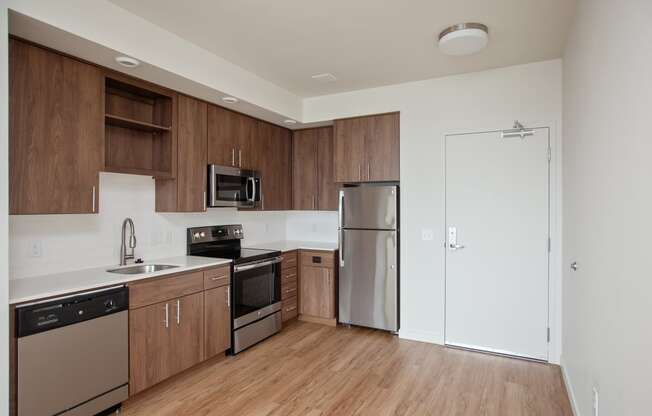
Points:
x=129 y=123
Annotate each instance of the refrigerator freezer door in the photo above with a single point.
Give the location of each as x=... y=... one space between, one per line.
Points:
x=368 y=281
x=370 y=207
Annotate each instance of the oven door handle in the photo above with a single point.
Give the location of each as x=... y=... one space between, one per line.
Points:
x=257 y=265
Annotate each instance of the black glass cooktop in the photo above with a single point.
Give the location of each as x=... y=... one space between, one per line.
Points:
x=223 y=241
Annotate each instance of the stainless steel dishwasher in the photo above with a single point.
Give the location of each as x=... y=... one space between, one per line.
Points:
x=73 y=354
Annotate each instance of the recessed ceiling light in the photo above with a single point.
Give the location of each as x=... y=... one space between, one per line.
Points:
x=290 y=121
x=127 y=61
x=326 y=77
x=464 y=39
x=230 y=100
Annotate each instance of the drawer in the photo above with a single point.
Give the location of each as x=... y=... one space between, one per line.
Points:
x=289 y=275
x=289 y=260
x=289 y=310
x=318 y=258
x=220 y=276
x=152 y=291
x=288 y=290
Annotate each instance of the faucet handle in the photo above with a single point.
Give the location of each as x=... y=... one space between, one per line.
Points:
x=139 y=261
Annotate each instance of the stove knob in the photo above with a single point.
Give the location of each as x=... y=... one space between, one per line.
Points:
x=109 y=304
x=195 y=235
x=202 y=234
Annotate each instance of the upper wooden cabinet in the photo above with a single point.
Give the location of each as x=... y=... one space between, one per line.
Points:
x=367 y=149
x=56 y=132
x=187 y=193
x=230 y=137
x=312 y=170
x=140 y=134
x=271 y=152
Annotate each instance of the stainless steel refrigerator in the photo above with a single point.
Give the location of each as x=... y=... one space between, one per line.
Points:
x=369 y=262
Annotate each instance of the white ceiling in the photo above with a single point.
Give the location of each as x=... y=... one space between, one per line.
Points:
x=364 y=43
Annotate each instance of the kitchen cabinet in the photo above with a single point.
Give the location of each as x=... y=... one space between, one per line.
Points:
x=187 y=192
x=230 y=138
x=188 y=331
x=367 y=149
x=217 y=307
x=312 y=167
x=56 y=132
x=318 y=287
x=272 y=157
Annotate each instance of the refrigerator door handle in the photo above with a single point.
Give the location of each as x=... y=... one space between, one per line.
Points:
x=341 y=248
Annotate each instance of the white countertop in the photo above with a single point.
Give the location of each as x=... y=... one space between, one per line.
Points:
x=39 y=287
x=289 y=245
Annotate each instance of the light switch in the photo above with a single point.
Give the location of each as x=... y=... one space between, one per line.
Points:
x=427 y=234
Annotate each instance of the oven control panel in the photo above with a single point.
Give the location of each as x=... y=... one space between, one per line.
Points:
x=215 y=233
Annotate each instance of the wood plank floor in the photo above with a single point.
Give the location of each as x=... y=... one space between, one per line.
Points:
x=313 y=370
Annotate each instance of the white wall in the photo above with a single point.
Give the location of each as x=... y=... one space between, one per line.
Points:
x=71 y=242
x=4 y=212
x=607 y=206
x=429 y=110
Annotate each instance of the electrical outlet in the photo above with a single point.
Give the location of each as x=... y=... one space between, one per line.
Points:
x=36 y=249
x=596 y=402
x=427 y=234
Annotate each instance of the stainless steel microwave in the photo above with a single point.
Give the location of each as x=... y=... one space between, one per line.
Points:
x=233 y=187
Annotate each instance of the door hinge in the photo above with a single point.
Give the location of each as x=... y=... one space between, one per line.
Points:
x=549 y=154
x=548 y=334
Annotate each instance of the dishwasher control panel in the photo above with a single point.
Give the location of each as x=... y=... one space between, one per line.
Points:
x=44 y=316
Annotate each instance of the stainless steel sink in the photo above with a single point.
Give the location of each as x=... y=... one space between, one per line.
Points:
x=142 y=269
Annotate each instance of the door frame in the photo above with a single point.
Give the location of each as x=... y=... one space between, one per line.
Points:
x=554 y=221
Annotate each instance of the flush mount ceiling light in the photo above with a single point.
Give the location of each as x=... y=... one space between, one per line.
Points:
x=127 y=61
x=230 y=100
x=290 y=121
x=464 y=39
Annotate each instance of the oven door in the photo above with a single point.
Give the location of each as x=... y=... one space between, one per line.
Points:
x=256 y=291
x=232 y=187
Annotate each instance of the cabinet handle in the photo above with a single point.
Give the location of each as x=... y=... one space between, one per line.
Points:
x=239 y=158
x=290 y=290
x=218 y=278
x=93 y=199
x=314 y=199
x=368 y=172
x=167 y=321
x=228 y=296
x=290 y=309
x=204 y=201
x=178 y=311
x=233 y=156
x=359 y=172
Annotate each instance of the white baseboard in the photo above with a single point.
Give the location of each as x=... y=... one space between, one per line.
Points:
x=569 y=389
x=423 y=336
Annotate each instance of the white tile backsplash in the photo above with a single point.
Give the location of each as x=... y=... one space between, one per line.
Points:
x=72 y=242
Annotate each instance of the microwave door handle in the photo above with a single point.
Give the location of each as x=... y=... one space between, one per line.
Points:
x=253 y=189
x=247 y=190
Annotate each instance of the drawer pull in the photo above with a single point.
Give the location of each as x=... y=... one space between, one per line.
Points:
x=290 y=290
x=218 y=278
x=290 y=275
x=290 y=309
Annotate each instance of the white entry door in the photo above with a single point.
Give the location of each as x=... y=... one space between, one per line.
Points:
x=497 y=249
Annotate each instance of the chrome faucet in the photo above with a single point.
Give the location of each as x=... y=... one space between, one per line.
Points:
x=132 y=242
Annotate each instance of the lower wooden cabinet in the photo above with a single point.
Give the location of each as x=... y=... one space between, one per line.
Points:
x=318 y=287
x=217 y=324
x=289 y=285
x=164 y=339
x=175 y=323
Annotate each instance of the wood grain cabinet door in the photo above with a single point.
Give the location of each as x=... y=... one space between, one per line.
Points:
x=349 y=149
x=304 y=170
x=382 y=148
x=223 y=140
x=217 y=313
x=151 y=346
x=276 y=167
x=56 y=130
x=328 y=189
x=192 y=160
x=187 y=331
x=317 y=288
